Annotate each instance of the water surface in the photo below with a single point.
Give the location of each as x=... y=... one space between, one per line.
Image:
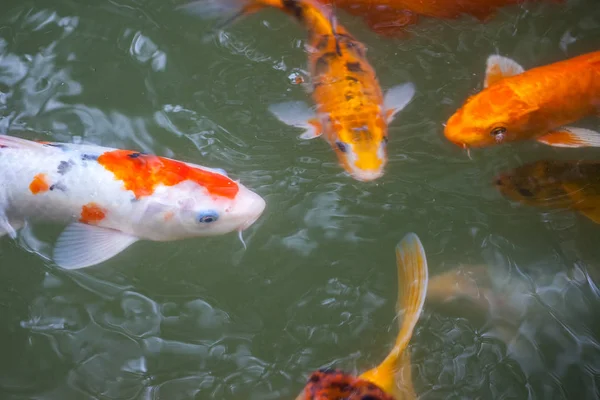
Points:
x=204 y=319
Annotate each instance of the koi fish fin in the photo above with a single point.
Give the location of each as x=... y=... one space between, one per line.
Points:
x=229 y=10
x=14 y=142
x=210 y=9
x=9 y=227
x=81 y=245
x=297 y=113
x=585 y=200
x=498 y=68
x=396 y=99
x=412 y=280
x=568 y=136
x=591 y=213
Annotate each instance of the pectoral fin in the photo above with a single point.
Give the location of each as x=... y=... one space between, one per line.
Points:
x=9 y=227
x=395 y=372
x=396 y=99
x=586 y=200
x=498 y=68
x=297 y=113
x=568 y=136
x=81 y=245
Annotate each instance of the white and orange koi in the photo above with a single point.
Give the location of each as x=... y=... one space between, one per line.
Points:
x=112 y=198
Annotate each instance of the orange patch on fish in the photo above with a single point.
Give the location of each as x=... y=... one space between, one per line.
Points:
x=39 y=184
x=92 y=213
x=141 y=173
x=169 y=215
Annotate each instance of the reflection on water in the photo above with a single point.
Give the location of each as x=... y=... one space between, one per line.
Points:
x=205 y=319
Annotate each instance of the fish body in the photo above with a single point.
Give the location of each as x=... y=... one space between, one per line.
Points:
x=391 y=379
x=390 y=17
x=352 y=113
x=536 y=104
x=555 y=184
x=111 y=198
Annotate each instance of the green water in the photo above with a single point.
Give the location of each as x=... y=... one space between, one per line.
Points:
x=206 y=319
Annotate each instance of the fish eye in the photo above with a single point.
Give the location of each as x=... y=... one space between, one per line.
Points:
x=500 y=130
x=206 y=217
x=341 y=146
x=385 y=140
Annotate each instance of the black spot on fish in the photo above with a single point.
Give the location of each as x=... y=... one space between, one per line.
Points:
x=348 y=96
x=525 y=192
x=294 y=7
x=351 y=78
x=354 y=67
x=89 y=157
x=65 y=166
x=57 y=145
x=134 y=155
x=323 y=42
x=322 y=63
x=58 y=186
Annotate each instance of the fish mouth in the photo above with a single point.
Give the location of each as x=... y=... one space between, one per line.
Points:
x=257 y=206
x=366 y=176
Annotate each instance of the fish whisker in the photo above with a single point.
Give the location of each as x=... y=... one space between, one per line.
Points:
x=241 y=237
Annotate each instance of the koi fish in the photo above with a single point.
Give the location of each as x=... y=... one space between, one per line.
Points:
x=390 y=17
x=112 y=198
x=537 y=104
x=351 y=114
x=392 y=378
x=555 y=184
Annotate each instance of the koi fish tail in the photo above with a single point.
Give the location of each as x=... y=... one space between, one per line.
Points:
x=317 y=18
x=394 y=375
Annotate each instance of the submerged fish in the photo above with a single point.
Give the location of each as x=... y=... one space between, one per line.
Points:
x=390 y=17
x=351 y=112
x=112 y=198
x=555 y=184
x=392 y=378
x=535 y=104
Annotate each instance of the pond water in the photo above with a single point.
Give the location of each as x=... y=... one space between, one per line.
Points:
x=316 y=286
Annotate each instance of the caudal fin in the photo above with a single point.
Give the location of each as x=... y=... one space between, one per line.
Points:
x=393 y=374
x=227 y=11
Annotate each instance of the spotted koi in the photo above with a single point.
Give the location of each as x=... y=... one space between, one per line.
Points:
x=112 y=198
x=352 y=114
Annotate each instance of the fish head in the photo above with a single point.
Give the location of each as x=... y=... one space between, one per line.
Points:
x=535 y=184
x=495 y=115
x=190 y=210
x=336 y=385
x=361 y=147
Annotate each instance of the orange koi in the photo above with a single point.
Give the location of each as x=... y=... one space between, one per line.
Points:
x=392 y=378
x=536 y=104
x=555 y=184
x=390 y=17
x=351 y=113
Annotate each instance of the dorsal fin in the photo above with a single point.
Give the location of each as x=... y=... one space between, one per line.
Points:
x=393 y=375
x=498 y=68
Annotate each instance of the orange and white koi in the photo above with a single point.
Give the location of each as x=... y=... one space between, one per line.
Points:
x=392 y=379
x=112 y=198
x=536 y=104
x=351 y=113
